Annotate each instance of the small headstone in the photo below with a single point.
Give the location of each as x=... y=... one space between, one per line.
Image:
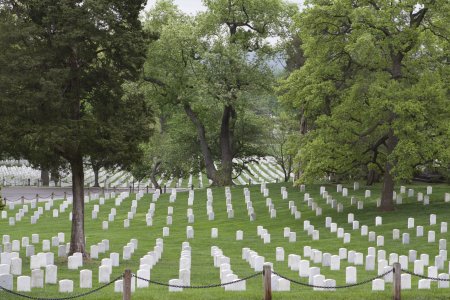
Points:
x=85 y=279
x=418 y=267
x=405 y=238
x=424 y=284
x=37 y=278
x=24 y=284
x=7 y=281
x=65 y=286
x=51 y=274
x=431 y=236
x=103 y=274
x=412 y=255
x=350 y=275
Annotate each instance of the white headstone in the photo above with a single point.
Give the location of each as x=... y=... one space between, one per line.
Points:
x=51 y=274
x=65 y=286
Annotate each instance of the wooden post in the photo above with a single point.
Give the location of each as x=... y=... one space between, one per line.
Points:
x=37 y=199
x=23 y=200
x=52 y=196
x=397 y=281
x=267 y=273
x=127 y=285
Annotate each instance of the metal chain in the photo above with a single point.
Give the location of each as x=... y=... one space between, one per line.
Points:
x=197 y=286
x=424 y=277
x=63 y=298
x=333 y=287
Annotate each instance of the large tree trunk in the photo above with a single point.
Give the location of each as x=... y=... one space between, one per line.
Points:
x=96 y=169
x=387 y=201
x=45 y=177
x=225 y=175
x=77 y=242
x=211 y=171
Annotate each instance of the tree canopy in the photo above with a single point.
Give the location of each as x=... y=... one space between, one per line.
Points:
x=211 y=67
x=68 y=81
x=374 y=88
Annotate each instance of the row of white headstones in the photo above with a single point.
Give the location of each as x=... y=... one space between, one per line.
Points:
x=261 y=232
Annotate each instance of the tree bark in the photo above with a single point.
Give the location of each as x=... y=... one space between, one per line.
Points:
x=45 y=177
x=211 y=171
x=387 y=201
x=153 y=176
x=372 y=177
x=55 y=177
x=287 y=171
x=96 y=169
x=77 y=239
x=226 y=168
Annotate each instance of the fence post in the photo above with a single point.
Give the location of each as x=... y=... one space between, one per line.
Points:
x=397 y=281
x=127 y=285
x=267 y=273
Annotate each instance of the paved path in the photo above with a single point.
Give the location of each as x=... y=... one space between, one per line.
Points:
x=29 y=192
x=15 y=193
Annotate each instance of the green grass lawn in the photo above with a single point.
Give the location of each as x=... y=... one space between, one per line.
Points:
x=203 y=271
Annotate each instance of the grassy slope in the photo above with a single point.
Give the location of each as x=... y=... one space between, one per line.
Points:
x=203 y=272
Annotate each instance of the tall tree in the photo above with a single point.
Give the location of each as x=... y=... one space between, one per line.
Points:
x=211 y=66
x=375 y=83
x=65 y=67
x=280 y=143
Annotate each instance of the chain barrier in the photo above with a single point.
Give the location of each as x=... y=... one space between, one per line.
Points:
x=198 y=286
x=424 y=277
x=333 y=287
x=63 y=298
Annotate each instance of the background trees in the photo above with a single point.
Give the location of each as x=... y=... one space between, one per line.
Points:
x=375 y=86
x=66 y=67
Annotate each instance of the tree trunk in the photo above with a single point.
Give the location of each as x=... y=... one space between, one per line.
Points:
x=287 y=171
x=371 y=177
x=77 y=242
x=211 y=171
x=45 y=177
x=225 y=175
x=55 y=177
x=96 y=169
x=387 y=201
x=153 y=176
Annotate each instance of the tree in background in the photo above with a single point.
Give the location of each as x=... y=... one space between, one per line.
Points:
x=280 y=143
x=375 y=85
x=2 y=203
x=212 y=67
x=65 y=81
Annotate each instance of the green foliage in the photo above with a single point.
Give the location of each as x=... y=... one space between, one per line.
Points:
x=65 y=78
x=214 y=68
x=374 y=87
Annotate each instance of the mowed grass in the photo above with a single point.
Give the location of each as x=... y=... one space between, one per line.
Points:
x=203 y=271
